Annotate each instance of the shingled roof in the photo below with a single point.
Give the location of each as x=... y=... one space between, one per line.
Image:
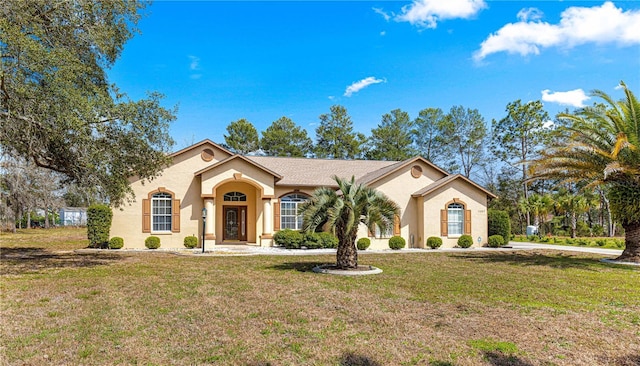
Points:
x=319 y=172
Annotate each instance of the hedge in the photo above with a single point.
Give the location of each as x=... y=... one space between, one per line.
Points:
x=190 y=242
x=499 y=224
x=152 y=242
x=496 y=241
x=434 y=242
x=98 y=225
x=288 y=238
x=116 y=242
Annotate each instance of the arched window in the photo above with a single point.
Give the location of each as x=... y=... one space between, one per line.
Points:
x=289 y=218
x=235 y=197
x=455 y=219
x=161 y=212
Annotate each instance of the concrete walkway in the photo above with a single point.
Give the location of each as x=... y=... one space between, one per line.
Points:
x=529 y=246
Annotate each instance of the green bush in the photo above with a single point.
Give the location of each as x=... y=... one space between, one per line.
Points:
x=289 y=239
x=582 y=241
x=98 y=225
x=363 y=243
x=190 y=242
x=116 y=242
x=619 y=243
x=601 y=242
x=496 y=241
x=597 y=230
x=434 y=242
x=569 y=241
x=152 y=242
x=465 y=241
x=397 y=242
x=499 y=224
x=583 y=229
x=312 y=241
x=328 y=240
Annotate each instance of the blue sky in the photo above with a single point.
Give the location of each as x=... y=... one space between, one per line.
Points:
x=222 y=61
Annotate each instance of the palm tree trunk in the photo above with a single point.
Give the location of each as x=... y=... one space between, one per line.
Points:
x=347 y=254
x=574 y=223
x=631 y=251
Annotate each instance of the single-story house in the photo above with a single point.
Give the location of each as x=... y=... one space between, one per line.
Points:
x=249 y=198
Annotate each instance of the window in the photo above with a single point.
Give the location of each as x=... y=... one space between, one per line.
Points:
x=384 y=234
x=289 y=218
x=161 y=212
x=455 y=219
x=235 y=197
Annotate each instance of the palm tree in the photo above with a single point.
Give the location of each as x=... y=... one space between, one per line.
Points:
x=342 y=211
x=600 y=145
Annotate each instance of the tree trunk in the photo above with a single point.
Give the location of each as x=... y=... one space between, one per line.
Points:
x=574 y=223
x=46 y=218
x=347 y=254
x=631 y=251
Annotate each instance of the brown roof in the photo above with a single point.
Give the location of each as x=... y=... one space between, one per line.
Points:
x=381 y=173
x=198 y=144
x=318 y=172
x=221 y=162
x=439 y=183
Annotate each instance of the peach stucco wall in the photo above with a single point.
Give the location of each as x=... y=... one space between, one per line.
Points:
x=178 y=178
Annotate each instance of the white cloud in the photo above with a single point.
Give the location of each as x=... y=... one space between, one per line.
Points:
x=427 y=13
x=384 y=14
x=533 y=14
x=383 y=33
x=578 y=26
x=574 y=98
x=359 y=85
x=195 y=63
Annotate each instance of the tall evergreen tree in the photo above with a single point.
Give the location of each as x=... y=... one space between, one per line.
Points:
x=242 y=137
x=464 y=133
x=392 y=139
x=285 y=138
x=335 y=137
x=518 y=138
x=427 y=135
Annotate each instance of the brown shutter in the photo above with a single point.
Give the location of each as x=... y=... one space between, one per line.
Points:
x=276 y=215
x=175 y=217
x=467 y=222
x=444 y=225
x=146 y=215
x=396 y=225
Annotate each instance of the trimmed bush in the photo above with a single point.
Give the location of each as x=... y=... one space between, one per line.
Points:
x=328 y=240
x=499 y=224
x=496 y=241
x=312 y=241
x=288 y=238
x=98 y=225
x=397 y=242
x=465 y=241
x=152 y=242
x=434 y=242
x=116 y=242
x=190 y=242
x=363 y=243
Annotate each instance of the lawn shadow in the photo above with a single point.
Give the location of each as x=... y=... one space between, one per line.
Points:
x=551 y=259
x=297 y=266
x=352 y=359
x=16 y=261
x=500 y=359
x=628 y=360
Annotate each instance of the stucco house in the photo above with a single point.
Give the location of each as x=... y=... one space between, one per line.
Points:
x=249 y=198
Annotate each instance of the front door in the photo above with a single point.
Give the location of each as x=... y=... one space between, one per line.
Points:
x=235 y=223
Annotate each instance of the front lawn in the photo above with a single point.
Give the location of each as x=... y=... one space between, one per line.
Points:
x=474 y=308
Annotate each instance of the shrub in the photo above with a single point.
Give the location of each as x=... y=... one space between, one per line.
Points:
x=116 y=242
x=98 y=225
x=328 y=240
x=363 y=243
x=601 y=242
x=532 y=238
x=397 y=242
x=152 y=242
x=583 y=229
x=312 y=241
x=597 y=230
x=496 y=241
x=434 y=242
x=190 y=242
x=570 y=241
x=619 y=243
x=288 y=238
x=499 y=224
x=582 y=241
x=465 y=241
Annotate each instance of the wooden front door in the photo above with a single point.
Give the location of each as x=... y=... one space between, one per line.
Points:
x=235 y=223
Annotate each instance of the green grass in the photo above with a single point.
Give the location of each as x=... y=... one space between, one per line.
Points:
x=430 y=308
